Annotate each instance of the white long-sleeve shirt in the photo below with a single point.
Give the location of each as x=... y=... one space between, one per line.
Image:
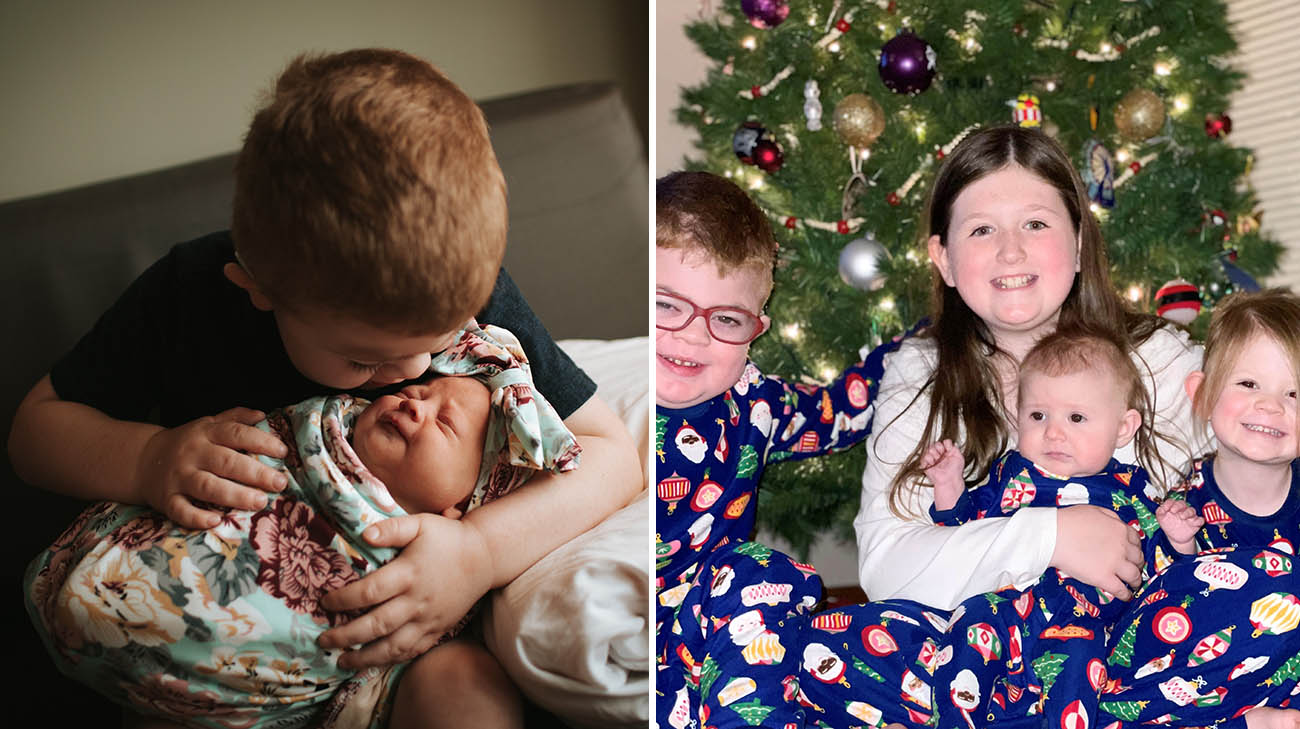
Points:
x=941 y=566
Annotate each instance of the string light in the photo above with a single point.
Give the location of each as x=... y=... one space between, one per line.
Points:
x=1122 y=155
x=1135 y=293
x=1181 y=104
x=828 y=373
x=1051 y=85
x=887 y=303
x=749 y=43
x=791 y=331
x=834 y=47
x=1163 y=68
x=1105 y=48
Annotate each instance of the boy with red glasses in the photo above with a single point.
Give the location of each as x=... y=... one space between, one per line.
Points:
x=718 y=421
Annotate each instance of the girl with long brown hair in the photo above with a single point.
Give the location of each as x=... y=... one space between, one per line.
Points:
x=1016 y=252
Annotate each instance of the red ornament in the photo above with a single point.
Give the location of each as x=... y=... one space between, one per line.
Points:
x=768 y=156
x=892 y=198
x=757 y=91
x=1172 y=625
x=842 y=226
x=1217 y=217
x=1135 y=166
x=842 y=25
x=1217 y=127
x=891 y=8
x=790 y=222
x=1120 y=47
x=938 y=153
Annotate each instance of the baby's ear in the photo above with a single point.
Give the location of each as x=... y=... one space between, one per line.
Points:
x=239 y=277
x=1128 y=425
x=452 y=512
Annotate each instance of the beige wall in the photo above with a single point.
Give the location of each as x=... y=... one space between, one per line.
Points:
x=96 y=90
x=678 y=63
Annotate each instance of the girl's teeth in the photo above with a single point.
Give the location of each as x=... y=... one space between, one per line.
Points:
x=681 y=363
x=1262 y=429
x=1013 y=282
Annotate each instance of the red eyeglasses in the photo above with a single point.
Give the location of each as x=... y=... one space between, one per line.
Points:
x=727 y=324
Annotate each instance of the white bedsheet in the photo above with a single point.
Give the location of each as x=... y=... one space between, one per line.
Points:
x=573 y=631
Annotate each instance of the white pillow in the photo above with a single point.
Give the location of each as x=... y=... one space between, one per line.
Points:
x=573 y=631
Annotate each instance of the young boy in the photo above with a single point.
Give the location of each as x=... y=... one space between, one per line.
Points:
x=195 y=626
x=369 y=224
x=718 y=422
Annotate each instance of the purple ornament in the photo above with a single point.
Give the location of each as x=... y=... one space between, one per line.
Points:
x=907 y=64
x=765 y=13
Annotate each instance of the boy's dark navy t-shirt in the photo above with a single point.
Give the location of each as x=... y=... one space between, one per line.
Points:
x=183 y=342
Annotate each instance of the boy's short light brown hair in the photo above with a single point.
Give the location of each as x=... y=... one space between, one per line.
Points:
x=1237 y=319
x=367 y=187
x=1073 y=350
x=702 y=212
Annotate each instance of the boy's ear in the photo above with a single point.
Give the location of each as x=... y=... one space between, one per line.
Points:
x=767 y=323
x=239 y=277
x=1128 y=426
x=939 y=257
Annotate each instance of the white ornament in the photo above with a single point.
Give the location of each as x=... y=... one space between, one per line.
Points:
x=812 y=105
x=860 y=263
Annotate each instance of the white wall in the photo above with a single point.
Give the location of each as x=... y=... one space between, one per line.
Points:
x=96 y=90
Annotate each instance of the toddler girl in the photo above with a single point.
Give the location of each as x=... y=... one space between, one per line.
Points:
x=1215 y=636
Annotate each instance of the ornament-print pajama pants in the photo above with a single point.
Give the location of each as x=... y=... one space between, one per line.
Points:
x=1013 y=654
x=737 y=620
x=1208 y=637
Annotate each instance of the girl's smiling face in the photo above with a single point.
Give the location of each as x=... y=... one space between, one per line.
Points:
x=1254 y=416
x=1011 y=251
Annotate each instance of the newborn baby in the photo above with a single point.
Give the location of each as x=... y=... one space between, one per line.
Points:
x=426 y=443
x=218 y=627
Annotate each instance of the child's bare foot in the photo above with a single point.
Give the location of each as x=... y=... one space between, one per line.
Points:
x=1267 y=717
x=943 y=464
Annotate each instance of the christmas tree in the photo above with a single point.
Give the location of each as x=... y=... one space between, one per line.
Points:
x=836 y=114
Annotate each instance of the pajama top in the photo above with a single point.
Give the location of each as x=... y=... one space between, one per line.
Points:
x=1228 y=526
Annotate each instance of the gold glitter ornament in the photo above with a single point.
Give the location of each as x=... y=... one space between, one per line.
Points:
x=1140 y=114
x=859 y=120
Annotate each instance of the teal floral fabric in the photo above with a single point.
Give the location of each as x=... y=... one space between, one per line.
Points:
x=218 y=627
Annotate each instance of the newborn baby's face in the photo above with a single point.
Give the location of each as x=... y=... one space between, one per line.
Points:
x=426 y=442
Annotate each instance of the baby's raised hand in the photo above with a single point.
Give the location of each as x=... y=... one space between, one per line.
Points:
x=1180 y=522
x=211 y=460
x=943 y=465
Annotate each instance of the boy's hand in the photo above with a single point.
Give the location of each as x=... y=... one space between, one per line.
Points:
x=208 y=460
x=1180 y=522
x=1096 y=546
x=443 y=569
x=943 y=464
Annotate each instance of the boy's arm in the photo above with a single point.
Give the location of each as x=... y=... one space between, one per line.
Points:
x=445 y=566
x=79 y=451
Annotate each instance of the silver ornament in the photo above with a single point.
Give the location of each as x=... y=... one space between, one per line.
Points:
x=860 y=263
x=812 y=105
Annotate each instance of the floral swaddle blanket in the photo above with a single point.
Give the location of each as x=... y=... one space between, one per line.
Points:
x=218 y=627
